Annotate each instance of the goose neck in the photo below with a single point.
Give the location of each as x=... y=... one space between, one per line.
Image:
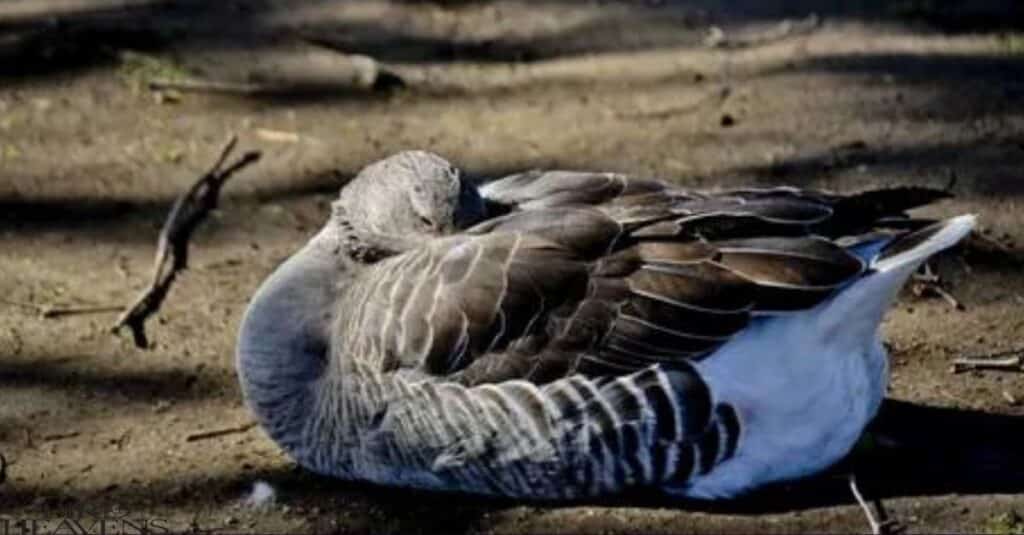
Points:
x=283 y=345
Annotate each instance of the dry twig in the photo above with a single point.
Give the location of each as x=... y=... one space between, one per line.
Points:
x=216 y=433
x=1011 y=360
x=196 y=85
x=717 y=96
x=879 y=524
x=277 y=136
x=986 y=245
x=717 y=38
x=190 y=209
x=929 y=283
x=60 y=436
x=56 y=311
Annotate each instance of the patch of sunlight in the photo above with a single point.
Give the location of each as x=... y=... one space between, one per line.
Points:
x=1005 y=524
x=138 y=69
x=10 y=152
x=1012 y=43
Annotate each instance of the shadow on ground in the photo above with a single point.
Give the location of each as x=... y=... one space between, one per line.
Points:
x=935 y=451
x=992 y=166
x=42 y=42
x=122 y=387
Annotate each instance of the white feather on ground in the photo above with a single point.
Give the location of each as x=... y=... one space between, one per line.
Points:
x=261 y=495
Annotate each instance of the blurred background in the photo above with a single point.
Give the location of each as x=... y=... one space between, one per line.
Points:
x=109 y=109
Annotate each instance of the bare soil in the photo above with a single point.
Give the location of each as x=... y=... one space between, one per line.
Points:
x=702 y=93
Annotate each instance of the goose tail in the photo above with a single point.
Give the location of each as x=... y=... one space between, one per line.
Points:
x=857 y=311
x=911 y=250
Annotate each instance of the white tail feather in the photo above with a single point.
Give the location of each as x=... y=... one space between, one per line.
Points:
x=951 y=232
x=858 y=310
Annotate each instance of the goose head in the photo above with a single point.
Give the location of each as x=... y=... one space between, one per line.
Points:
x=284 y=343
x=398 y=202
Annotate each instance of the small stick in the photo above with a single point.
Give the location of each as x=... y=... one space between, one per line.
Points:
x=944 y=294
x=195 y=85
x=55 y=311
x=908 y=349
x=879 y=525
x=30 y=306
x=928 y=281
x=3 y=469
x=966 y=265
x=119 y=441
x=277 y=136
x=712 y=97
x=61 y=436
x=203 y=435
x=953 y=179
x=190 y=209
x=927 y=274
x=121 y=269
x=979 y=241
x=995 y=361
x=716 y=38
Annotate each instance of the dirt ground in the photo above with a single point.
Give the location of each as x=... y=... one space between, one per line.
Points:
x=703 y=93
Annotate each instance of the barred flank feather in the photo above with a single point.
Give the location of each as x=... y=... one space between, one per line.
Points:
x=570 y=438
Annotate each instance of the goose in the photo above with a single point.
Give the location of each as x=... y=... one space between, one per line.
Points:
x=561 y=335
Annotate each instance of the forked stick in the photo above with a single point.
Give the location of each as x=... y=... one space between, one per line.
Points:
x=190 y=209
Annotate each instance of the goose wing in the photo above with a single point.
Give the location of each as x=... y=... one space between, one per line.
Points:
x=623 y=275
x=566 y=330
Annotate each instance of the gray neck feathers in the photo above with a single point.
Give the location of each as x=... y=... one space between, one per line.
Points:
x=283 y=342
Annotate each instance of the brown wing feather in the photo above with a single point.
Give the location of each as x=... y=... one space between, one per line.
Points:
x=600 y=274
x=544 y=189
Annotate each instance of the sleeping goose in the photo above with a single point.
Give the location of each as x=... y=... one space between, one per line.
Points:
x=563 y=335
